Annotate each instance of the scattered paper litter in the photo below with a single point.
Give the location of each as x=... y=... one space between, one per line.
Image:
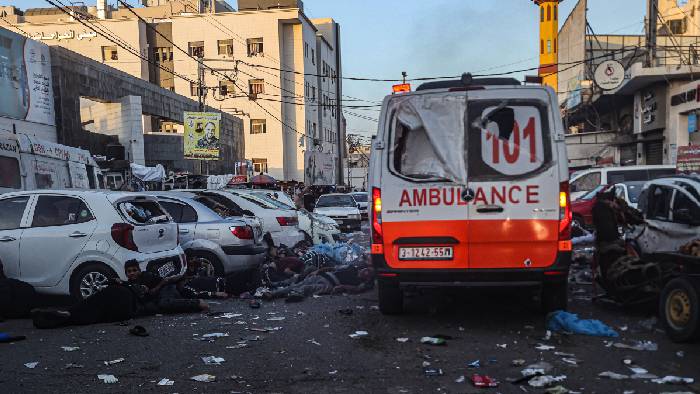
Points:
x=540 y=368
x=613 y=375
x=239 y=346
x=213 y=360
x=544 y=347
x=674 y=380
x=358 y=334
x=460 y=379
x=166 y=382
x=502 y=346
x=117 y=361
x=638 y=345
x=70 y=348
x=206 y=378
x=276 y=318
x=402 y=340
x=229 y=316
x=313 y=341
x=31 y=365
x=72 y=366
x=546 y=380
x=108 y=379
x=215 y=335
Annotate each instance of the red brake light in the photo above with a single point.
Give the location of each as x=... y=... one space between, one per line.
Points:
x=287 y=221
x=377 y=236
x=123 y=235
x=565 y=217
x=242 y=232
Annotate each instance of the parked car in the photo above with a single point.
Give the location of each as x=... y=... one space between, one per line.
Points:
x=319 y=228
x=342 y=208
x=629 y=191
x=281 y=224
x=221 y=245
x=584 y=181
x=72 y=242
x=362 y=199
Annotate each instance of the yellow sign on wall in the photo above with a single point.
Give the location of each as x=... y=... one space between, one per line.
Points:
x=202 y=135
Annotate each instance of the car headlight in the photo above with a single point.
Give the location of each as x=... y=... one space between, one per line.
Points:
x=354 y=217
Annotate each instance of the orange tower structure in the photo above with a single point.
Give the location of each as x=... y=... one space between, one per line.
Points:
x=549 y=45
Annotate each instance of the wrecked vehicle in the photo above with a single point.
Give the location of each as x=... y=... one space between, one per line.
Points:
x=659 y=258
x=470 y=187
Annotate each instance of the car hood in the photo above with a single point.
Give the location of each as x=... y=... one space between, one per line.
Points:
x=337 y=211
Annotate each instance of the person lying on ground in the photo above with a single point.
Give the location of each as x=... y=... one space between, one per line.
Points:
x=160 y=295
x=349 y=279
x=17 y=298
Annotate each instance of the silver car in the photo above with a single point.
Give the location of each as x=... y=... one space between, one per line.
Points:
x=222 y=245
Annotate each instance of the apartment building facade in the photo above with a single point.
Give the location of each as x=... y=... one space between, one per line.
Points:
x=266 y=63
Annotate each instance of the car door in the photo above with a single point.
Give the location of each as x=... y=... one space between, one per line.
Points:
x=184 y=216
x=12 y=210
x=60 y=228
x=514 y=212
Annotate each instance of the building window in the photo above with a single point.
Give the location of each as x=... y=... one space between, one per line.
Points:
x=314 y=130
x=549 y=13
x=541 y=14
x=678 y=26
x=256 y=86
x=109 y=54
x=258 y=126
x=556 y=12
x=549 y=46
x=196 y=49
x=541 y=47
x=260 y=165
x=195 y=89
x=306 y=49
x=225 y=47
x=255 y=47
x=313 y=57
x=555 y=45
x=226 y=87
x=313 y=93
x=163 y=54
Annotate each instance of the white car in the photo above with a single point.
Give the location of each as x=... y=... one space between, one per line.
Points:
x=221 y=245
x=281 y=224
x=342 y=208
x=70 y=242
x=362 y=199
x=630 y=192
x=321 y=229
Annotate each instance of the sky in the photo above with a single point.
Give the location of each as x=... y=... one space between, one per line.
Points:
x=426 y=38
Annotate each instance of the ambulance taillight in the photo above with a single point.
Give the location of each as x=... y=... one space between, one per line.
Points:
x=377 y=236
x=565 y=218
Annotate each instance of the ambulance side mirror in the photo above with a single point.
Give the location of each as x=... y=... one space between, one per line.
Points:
x=505 y=119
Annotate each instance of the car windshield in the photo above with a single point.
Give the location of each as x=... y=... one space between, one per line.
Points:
x=360 y=197
x=257 y=201
x=336 y=201
x=277 y=204
x=591 y=195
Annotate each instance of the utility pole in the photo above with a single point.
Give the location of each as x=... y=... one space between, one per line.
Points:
x=652 y=18
x=404 y=74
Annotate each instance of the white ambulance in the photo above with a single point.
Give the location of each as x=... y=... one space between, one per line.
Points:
x=469 y=187
x=27 y=163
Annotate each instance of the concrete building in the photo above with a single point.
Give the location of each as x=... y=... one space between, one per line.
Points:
x=549 y=49
x=277 y=68
x=646 y=119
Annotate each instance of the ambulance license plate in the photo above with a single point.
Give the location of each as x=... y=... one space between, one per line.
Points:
x=429 y=253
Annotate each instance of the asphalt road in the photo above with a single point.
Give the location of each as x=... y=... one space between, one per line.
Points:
x=312 y=352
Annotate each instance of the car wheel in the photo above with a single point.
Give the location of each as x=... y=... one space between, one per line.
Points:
x=390 y=298
x=211 y=266
x=679 y=310
x=555 y=296
x=89 y=280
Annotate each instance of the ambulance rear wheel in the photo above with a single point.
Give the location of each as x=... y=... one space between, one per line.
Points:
x=555 y=297
x=390 y=298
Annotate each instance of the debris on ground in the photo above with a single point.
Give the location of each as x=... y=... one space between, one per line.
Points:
x=543 y=347
x=213 y=360
x=557 y=390
x=73 y=366
x=70 y=348
x=166 y=382
x=108 y=379
x=517 y=363
x=460 y=379
x=402 y=340
x=314 y=342
x=613 y=375
x=433 y=371
x=649 y=324
x=637 y=345
x=483 y=381
x=112 y=362
x=359 y=334
x=205 y=378
x=673 y=380
x=31 y=365
x=546 y=380
x=570 y=322
x=539 y=368
x=474 y=364
x=433 y=341
x=215 y=335
x=6 y=338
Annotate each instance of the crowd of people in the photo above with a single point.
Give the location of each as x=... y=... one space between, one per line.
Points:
x=290 y=273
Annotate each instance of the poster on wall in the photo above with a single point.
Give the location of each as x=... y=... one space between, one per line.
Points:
x=320 y=169
x=202 y=135
x=688 y=160
x=25 y=79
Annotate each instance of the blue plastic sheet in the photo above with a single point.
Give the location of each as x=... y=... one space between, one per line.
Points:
x=341 y=253
x=569 y=322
